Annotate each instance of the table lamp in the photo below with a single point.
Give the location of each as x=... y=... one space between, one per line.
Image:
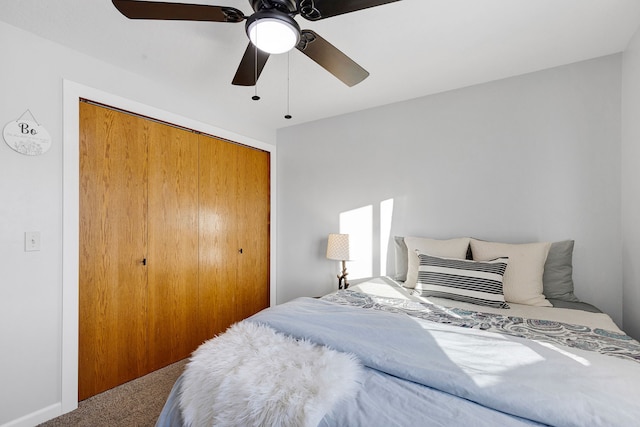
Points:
x=338 y=249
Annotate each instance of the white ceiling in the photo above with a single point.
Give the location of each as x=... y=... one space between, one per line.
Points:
x=411 y=48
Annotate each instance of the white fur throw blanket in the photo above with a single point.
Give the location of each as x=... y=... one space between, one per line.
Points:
x=253 y=376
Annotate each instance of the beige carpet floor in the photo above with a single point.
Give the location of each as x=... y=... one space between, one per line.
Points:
x=134 y=404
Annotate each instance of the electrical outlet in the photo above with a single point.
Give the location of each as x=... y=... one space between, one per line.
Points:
x=31 y=241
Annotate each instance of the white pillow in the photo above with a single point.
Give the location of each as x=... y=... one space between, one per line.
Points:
x=523 y=278
x=452 y=248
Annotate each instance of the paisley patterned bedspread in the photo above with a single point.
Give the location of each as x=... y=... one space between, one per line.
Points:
x=575 y=336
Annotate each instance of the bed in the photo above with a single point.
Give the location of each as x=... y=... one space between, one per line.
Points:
x=422 y=351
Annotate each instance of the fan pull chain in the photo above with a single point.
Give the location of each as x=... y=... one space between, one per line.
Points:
x=255 y=97
x=288 y=116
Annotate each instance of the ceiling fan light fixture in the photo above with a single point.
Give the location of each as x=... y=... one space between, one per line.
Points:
x=273 y=32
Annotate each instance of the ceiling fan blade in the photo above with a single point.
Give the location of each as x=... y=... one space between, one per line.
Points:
x=177 y=11
x=314 y=10
x=331 y=58
x=248 y=73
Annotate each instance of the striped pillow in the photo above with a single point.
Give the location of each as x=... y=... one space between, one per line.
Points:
x=477 y=282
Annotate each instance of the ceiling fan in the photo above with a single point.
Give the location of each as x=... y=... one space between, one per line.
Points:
x=271 y=29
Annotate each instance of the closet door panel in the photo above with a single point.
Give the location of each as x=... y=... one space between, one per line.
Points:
x=253 y=202
x=173 y=244
x=112 y=280
x=218 y=229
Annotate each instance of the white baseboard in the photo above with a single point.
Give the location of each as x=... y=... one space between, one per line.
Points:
x=37 y=417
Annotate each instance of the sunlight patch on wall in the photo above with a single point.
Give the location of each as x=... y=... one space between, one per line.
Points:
x=358 y=224
x=369 y=230
x=386 y=214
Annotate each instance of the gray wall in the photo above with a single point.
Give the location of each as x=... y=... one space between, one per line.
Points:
x=631 y=186
x=531 y=158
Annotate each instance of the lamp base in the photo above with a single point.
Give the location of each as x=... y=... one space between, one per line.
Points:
x=342 y=278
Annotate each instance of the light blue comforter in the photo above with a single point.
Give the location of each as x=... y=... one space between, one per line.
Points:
x=423 y=373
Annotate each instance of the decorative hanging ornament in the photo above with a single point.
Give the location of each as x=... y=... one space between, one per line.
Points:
x=27 y=137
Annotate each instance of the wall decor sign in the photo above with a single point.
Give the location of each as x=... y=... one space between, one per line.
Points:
x=27 y=137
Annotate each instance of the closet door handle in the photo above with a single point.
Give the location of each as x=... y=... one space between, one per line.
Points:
x=144 y=261
x=240 y=250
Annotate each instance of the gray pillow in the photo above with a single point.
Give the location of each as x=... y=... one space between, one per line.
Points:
x=557 y=279
x=575 y=305
x=402 y=258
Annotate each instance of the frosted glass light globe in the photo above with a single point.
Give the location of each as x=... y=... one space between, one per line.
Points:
x=273 y=35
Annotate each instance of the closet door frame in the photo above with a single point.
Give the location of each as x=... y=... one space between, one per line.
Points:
x=73 y=93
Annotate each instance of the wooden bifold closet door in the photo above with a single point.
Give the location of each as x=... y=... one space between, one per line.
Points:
x=174 y=243
x=233 y=186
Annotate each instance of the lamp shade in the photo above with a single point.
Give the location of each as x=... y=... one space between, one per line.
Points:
x=338 y=247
